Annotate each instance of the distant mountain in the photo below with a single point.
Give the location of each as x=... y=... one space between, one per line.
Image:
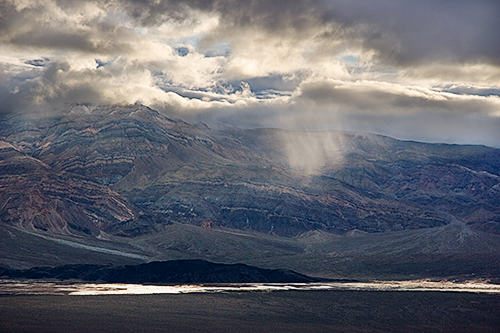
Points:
x=122 y=170
x=131 y=183
x=176 y=271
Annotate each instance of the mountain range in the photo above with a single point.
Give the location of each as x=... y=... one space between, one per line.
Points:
x=127 y=185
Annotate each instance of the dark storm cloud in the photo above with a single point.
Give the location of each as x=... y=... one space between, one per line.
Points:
x=46 y=27
x=415 y=31
x=270 y=15
x=36 y=86
x=402 y=32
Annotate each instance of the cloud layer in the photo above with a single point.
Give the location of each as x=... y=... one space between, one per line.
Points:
x=417 y=69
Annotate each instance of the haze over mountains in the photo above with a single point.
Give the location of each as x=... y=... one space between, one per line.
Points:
x=126 y=184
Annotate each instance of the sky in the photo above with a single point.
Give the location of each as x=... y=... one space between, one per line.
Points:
x=421 y=70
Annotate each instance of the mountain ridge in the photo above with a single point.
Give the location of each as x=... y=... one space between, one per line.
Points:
x=165 y=272
x=168 y=170
x=125 y=176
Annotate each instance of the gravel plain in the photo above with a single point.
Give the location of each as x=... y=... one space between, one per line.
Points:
x=285 y=311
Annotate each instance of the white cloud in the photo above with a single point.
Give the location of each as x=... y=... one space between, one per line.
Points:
x=305 y=64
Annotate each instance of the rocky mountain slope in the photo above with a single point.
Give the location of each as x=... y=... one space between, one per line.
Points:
x=34 y=196
x=111 y=175
x=132 y=162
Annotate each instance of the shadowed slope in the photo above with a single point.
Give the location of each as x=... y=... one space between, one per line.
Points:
x=178 y=271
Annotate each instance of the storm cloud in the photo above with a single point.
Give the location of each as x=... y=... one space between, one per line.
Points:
x=417 y=69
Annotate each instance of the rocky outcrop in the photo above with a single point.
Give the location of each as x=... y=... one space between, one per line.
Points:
x=35 y=197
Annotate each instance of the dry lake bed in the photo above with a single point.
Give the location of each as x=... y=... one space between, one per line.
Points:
x=390 y=307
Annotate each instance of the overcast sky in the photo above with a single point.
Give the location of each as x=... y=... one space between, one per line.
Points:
x=415 y=69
